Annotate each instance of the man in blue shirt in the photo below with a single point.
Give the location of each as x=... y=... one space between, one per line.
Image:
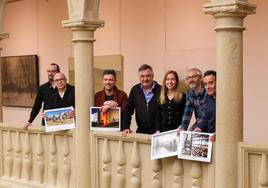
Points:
x=195 y=99
x=207 y=121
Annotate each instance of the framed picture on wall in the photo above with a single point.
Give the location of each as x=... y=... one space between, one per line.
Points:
x=105 y=121
x=20 y=80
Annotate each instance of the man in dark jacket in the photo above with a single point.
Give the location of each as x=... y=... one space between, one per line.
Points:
x=143 y=100
x=44 y=91
x=64 y=96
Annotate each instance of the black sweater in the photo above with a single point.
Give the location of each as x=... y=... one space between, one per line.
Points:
x=43 y=93
x=55 y=101
x=144 y=113
x=169 y=114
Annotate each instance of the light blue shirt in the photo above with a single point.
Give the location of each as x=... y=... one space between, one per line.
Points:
x=148 y=96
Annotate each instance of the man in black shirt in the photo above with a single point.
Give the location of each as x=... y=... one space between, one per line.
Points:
x=44 y=91
x=143 y=101
x=64 y=95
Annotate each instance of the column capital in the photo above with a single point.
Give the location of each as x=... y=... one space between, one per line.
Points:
x=81 y=27
x=234 y=8
x=83 y=24
x=4 y=36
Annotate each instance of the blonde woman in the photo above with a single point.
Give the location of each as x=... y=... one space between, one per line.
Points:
x=170 y=105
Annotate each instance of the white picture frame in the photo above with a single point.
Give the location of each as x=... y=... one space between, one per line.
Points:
x=195 y=146
x=58 y=119
x=164 y=145
x=108 y=121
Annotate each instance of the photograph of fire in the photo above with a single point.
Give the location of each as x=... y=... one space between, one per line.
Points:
x=105 y=121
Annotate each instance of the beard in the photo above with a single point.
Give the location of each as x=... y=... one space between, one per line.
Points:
x=193 y=85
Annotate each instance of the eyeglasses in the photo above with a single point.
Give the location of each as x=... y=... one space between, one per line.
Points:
x=53 y=71
x=191 y=77
x=60 y=79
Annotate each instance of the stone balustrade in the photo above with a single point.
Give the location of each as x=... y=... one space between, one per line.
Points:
x=35 y=158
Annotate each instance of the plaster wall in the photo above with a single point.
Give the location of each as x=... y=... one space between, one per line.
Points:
x=168 y=34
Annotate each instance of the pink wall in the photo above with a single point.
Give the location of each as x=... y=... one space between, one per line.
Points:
x=168 y=34
x=35 y=28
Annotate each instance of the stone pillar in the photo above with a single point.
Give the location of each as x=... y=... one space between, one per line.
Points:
x=83 y=21
x=229 y=17
x=2 y=36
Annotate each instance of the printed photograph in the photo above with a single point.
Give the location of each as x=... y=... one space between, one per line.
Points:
x=164 y=145
x=195 y=146
x=105 y=121
x=59 y=119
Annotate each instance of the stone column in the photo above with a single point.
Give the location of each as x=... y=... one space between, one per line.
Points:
x=229 y=17
x=2 y=36
x=83 y=22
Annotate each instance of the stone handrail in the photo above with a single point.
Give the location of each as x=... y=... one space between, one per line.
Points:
x=35 y=158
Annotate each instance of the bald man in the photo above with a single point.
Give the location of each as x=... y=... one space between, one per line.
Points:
x=65 y=95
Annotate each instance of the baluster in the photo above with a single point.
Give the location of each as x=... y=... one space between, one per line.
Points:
x=27 y=160
x=9 y=157
x=120 y=161
x=196 y=173
x=53 y=161
x=66 y=163
x=177 y=170
x=106 y=166
x=157 y=175
x=17 y=160
x=40 y=159
x=263 y=174
x=136 y=167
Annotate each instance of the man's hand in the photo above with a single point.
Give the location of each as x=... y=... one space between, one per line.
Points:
x=26 y=125
x=104 y=108
x=178 y=130
x=126 y=132
x=197 y=129
x=71 y=114
x=111 y=104
x=213 y=137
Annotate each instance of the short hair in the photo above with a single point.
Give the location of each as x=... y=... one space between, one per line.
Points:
x=145 y=67
x=196 y=70
x=210 y=73
x=109 y=71
x=58 y=67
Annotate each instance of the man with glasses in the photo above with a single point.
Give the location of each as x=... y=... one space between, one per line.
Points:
x=195 y=99
x=44 y=91
x=64 y=96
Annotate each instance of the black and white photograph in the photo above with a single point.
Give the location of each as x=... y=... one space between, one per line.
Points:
x=105 y=121
x=59 y=119
x=195 y=146
x=164 y=145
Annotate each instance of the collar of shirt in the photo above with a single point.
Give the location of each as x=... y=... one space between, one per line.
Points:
x=148 y=96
